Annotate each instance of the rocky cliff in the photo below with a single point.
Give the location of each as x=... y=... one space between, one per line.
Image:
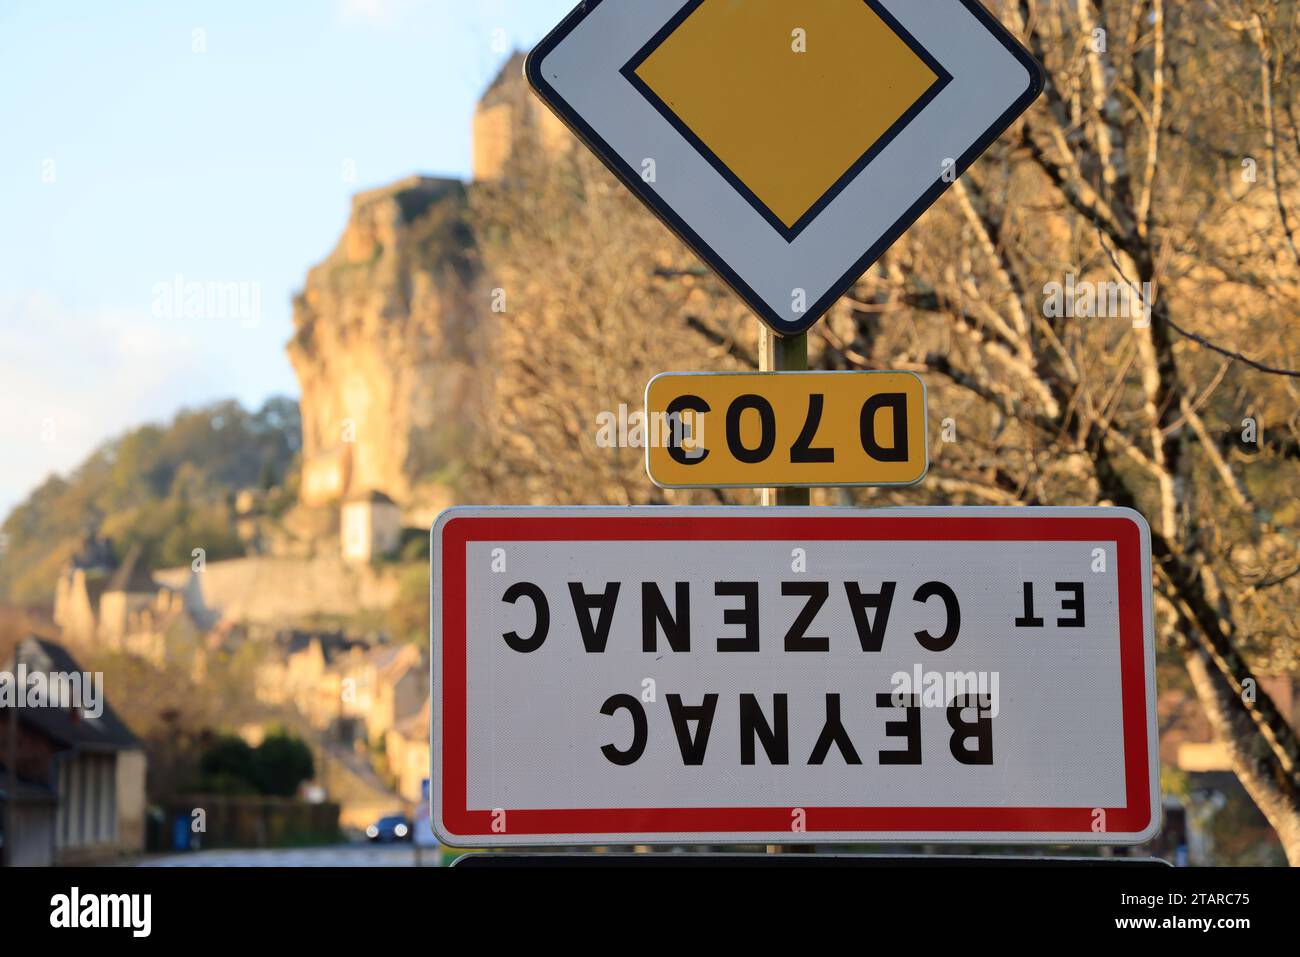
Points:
x=382 y=345
x=386 y=344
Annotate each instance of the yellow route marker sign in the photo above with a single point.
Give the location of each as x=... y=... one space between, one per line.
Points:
x=775 y=429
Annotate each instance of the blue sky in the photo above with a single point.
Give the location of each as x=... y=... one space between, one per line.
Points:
x=218 y=141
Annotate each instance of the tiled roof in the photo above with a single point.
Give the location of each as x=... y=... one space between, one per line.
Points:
x=106 y=733
x=417 y=725
x=27 y=793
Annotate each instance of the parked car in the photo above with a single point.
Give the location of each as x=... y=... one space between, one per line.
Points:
x=394 y=827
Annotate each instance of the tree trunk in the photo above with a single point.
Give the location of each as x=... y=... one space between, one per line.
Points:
x=1234 y=727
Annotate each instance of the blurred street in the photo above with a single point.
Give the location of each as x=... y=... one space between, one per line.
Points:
x=339 y=855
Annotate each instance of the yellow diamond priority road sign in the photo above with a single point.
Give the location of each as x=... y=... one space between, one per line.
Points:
x=788 y=142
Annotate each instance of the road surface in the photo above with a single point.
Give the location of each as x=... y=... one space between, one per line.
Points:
x=338 y=855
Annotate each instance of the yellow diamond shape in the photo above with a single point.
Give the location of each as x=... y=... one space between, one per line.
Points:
x=790 y=124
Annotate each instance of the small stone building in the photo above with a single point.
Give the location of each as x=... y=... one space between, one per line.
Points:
x=81 y=584
x=370 y=527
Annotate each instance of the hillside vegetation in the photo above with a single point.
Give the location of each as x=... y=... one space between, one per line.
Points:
x=168 y=488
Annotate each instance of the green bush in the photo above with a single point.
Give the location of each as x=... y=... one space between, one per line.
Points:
x=280 y=764
x=226 y=767
x=276 y=767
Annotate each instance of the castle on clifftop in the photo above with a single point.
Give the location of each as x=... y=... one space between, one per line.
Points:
x=383 y=343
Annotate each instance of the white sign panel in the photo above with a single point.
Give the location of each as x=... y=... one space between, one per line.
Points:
x=789 y=143
x=669 y=675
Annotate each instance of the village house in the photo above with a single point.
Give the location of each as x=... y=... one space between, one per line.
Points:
x=80 y=586
x=80 y=775
x=297 y=674
x=120 y=607
x=406 y=746
x=35 y=810
x=378 y=687
x=349 y=689
x=129 y=591
x=401 y=687
x=1188 y=743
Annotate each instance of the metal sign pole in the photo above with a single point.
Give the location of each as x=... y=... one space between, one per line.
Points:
x=783 y=354
x=595 y=71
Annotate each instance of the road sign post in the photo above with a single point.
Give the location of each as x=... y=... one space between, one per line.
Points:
x=783 y=354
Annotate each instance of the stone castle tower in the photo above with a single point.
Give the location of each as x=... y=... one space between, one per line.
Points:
x=510 y=118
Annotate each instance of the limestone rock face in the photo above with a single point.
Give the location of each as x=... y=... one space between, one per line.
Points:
x=383 y=349
x=391 y=344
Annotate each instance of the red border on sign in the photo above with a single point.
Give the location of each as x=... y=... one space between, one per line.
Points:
x=461 y=821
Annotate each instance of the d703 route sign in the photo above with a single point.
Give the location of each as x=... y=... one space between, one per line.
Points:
x=774 y=429
x=669 y=675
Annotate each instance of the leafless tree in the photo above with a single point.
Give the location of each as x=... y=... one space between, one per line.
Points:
x=1162 y=159
x=1161 y=162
